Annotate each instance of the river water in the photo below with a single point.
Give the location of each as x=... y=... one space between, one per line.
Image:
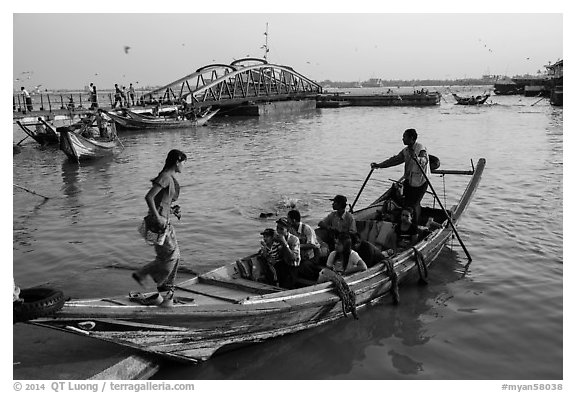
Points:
x=500 y=319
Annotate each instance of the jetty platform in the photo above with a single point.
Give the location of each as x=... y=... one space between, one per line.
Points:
x=337 y=99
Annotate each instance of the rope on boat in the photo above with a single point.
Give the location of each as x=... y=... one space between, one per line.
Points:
x=422 y=269
x=393 y=280
x=344 y=292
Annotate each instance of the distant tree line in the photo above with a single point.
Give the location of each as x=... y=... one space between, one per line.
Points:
x=414 y=82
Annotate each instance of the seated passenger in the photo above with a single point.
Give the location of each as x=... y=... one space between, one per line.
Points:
x=270 y=253
x=369 y=253
x=339 y=221
x=343 y=260
x=309 y=246
x=405 y=233
x=286 y=249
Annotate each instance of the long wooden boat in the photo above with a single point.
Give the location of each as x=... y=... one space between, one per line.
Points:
x=129 y=120
x=45 y=133
x=78 y=148
x=478 y=100
x=222 y=308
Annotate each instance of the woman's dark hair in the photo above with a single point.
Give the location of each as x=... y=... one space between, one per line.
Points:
x=344 y=239
x=174 y=156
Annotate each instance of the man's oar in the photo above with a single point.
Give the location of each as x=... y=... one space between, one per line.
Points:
x=30 y=191
x=27 y=136
x=442 y=207
x=537 y=101
x=361 y=189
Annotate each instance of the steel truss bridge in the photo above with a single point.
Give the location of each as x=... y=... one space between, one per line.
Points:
x=248 y=80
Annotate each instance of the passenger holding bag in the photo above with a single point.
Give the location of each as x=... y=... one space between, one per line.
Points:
x=156 y=228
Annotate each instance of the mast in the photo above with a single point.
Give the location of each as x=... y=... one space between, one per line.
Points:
x=265 y=46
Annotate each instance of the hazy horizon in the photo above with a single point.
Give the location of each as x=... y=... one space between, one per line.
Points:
x=339 y=47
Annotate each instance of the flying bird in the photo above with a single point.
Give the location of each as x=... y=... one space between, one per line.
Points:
x=126 y=49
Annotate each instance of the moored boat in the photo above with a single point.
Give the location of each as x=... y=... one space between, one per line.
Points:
x=478 y=100
x=129 y=120
x=44 y=133
x=84 y=143
x=556 y=96
x=226 y=307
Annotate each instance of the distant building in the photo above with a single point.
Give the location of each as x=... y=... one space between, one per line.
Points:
x=556 y=70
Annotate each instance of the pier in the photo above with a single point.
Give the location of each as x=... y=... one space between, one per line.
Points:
x=245 y=87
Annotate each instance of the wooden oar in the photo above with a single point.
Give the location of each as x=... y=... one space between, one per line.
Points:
x=30 y=191
x=26 y=137
x=443 y=209
x=537 y=101
x=361 y=189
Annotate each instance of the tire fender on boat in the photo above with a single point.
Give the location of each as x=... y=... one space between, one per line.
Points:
x=37 y=302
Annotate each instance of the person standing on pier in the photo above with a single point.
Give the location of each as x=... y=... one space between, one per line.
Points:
x=93 y=96
x=131 y=94
x=124 y=97
x=117 y=96
x=27 y=100
x=157 y=229
x=415 y=183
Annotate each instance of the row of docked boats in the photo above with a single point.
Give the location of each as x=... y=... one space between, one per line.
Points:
x=227 y=307
x=87 y=140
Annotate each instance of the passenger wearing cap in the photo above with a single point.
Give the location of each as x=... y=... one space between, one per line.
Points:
x=289 y=250
x=270 y=253
x=339 y=221
x=270 y=249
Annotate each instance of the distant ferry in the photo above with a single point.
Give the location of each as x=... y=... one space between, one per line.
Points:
x=373 y=82
x=506 y=86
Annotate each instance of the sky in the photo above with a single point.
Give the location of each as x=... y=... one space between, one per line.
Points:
x=70 y=50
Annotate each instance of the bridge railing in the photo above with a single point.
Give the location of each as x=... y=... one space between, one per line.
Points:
x=69 y=101
x=227 y=84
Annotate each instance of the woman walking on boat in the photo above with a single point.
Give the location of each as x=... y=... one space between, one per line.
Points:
x=157 y=229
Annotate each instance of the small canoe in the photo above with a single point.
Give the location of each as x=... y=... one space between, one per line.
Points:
x=78 y=148
x=44 y=133
x=478 y=100
x=129 y=120
x=225 y=308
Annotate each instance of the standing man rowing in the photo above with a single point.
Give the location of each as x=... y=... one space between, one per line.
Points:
x=415 y=184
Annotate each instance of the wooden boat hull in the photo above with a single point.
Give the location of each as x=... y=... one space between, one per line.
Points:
x=471 y=100
x=134 y=121
x=49 y=137
x=228 y=311
x=77 y=148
